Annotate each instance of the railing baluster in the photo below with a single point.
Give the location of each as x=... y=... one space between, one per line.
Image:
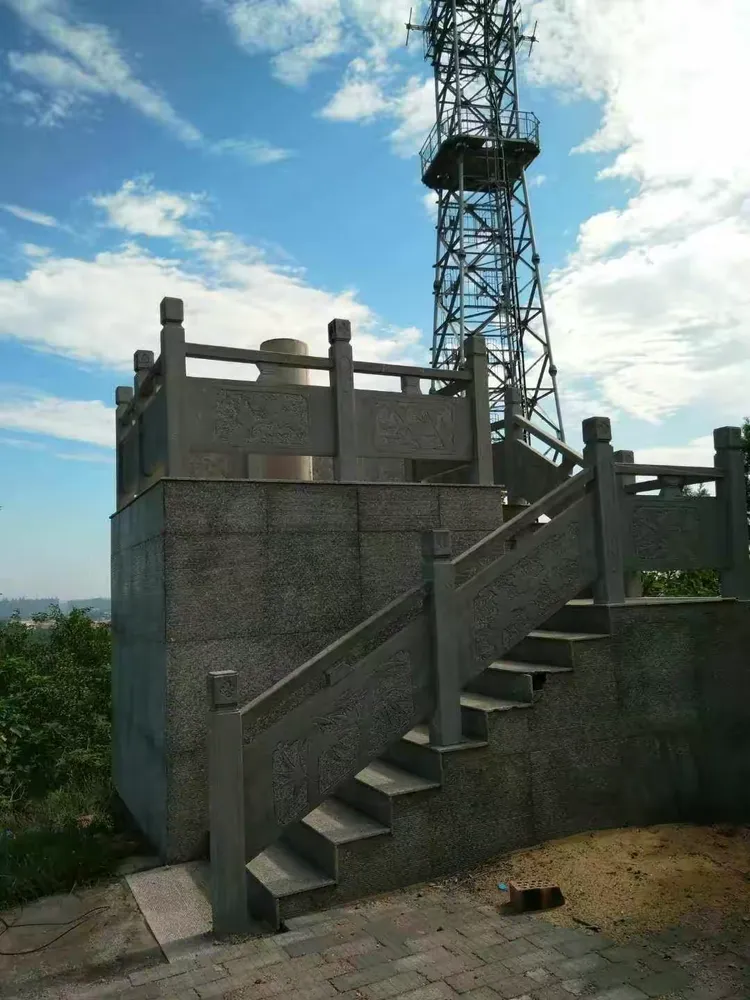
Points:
x=599 y=456
x=226 y=792
x=440 y=576
x=731 y=494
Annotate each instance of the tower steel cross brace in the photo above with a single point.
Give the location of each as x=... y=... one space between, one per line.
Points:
x=487 y=278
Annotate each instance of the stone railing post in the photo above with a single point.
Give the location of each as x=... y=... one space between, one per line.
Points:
x=513 y=433
x=123 y=398
x=633 y=581
x=732 y=497
x=143 y=362
x=226 y=805
x=440 y=576
x=174 y=377
x=342 y=387
x=598 y=455
x=479 y=396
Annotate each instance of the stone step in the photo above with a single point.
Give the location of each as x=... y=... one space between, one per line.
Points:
x=581 y=616
x=375 y=789
x=334 y=823
x=413 y=753
x=475 y=709
x=277 y=873
x=514 y=680
x=545 y=646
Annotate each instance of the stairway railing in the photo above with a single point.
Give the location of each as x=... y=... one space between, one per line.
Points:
x=274 y=760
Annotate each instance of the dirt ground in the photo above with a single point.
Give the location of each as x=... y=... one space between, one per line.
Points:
x=634 y=881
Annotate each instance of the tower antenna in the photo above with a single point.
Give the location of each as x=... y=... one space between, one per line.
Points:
x=487 y=269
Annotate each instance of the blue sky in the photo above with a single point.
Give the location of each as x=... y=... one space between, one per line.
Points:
x=257 y=159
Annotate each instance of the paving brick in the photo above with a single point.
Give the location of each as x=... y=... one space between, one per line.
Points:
x=393 y=987
x=240 y=966
x=145 y=991
x=620 y=993
x=508 y=949
x=619 y=974
x=574 y=967
x=185 y=995
x=380 y=957
x=483 y=993
x=583 y=944
x=315 y=945
x=186 y=980
x=366 y=945
x=165 y=971
x=447 y=939
x=551 y=992
x=664 y=982
x=533 y=959
x=438 y=963
x=539 y=976
x=709 y=991
x=625 y=953
x=363 y=977
x=219 y=987
x=435 y=991
x=574 y=987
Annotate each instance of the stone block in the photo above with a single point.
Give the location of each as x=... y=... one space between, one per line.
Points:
x=577 y=786
x=661 y=779
x=471 y=508
x=186 y=806
x=260 y=661
x=214 y=508
x=217 y=586
x=312 y=583
x=391 y=563
x=314 y=507
x=656 y=675
x=398 y=508
x=143 y=518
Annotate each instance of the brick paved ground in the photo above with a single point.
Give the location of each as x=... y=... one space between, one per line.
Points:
x=442 y=946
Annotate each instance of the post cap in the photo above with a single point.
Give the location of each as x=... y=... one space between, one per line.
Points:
x=143 y=360
x=625 y=457
x=597 y=429
x=222 y=688
x=123 y=394
x=511 y=396
x=476 y=345
x=436 y=544
x=172 y=311
x=728 y=438
x=339 y=330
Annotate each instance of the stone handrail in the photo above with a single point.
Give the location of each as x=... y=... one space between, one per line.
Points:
x=665 y=476
x=488 y=549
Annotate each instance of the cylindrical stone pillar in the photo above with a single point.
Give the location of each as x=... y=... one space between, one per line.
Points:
x=294 y=467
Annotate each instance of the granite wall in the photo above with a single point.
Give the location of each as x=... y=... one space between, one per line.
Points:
x=652 y=726
x=254 y=577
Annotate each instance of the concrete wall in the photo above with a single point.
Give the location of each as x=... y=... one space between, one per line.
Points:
x=257 y=578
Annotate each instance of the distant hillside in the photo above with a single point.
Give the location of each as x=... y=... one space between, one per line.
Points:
x=28 y=606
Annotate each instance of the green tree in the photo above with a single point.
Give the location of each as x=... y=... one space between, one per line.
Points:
x=695 y=583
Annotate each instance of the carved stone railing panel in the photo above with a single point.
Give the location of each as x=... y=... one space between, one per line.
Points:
x=521 y=590
x=421 y=427
x=153 y=435
x=258 y=419
x=661 y=534
x=333 y=732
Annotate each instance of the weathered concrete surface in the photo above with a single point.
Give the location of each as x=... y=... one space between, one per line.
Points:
x=96 y=933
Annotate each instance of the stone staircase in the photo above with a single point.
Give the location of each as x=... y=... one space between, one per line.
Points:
x=403 y=818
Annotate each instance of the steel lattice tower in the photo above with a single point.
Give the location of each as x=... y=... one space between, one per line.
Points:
x=487 y=278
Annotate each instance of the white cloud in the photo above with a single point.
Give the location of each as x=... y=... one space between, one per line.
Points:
x=68 y=419
x=29 y=215
x=34 y=250
x=414 y=110
x=89 y=63
x=537 y=180
x=653 y=306
x=256 y=152
x=357 y=100
x=92 y=63
x=103 y=309
x=97 y=457
x=301 y=36
x=699 y=452
x=430 y=202
x=139 y=209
